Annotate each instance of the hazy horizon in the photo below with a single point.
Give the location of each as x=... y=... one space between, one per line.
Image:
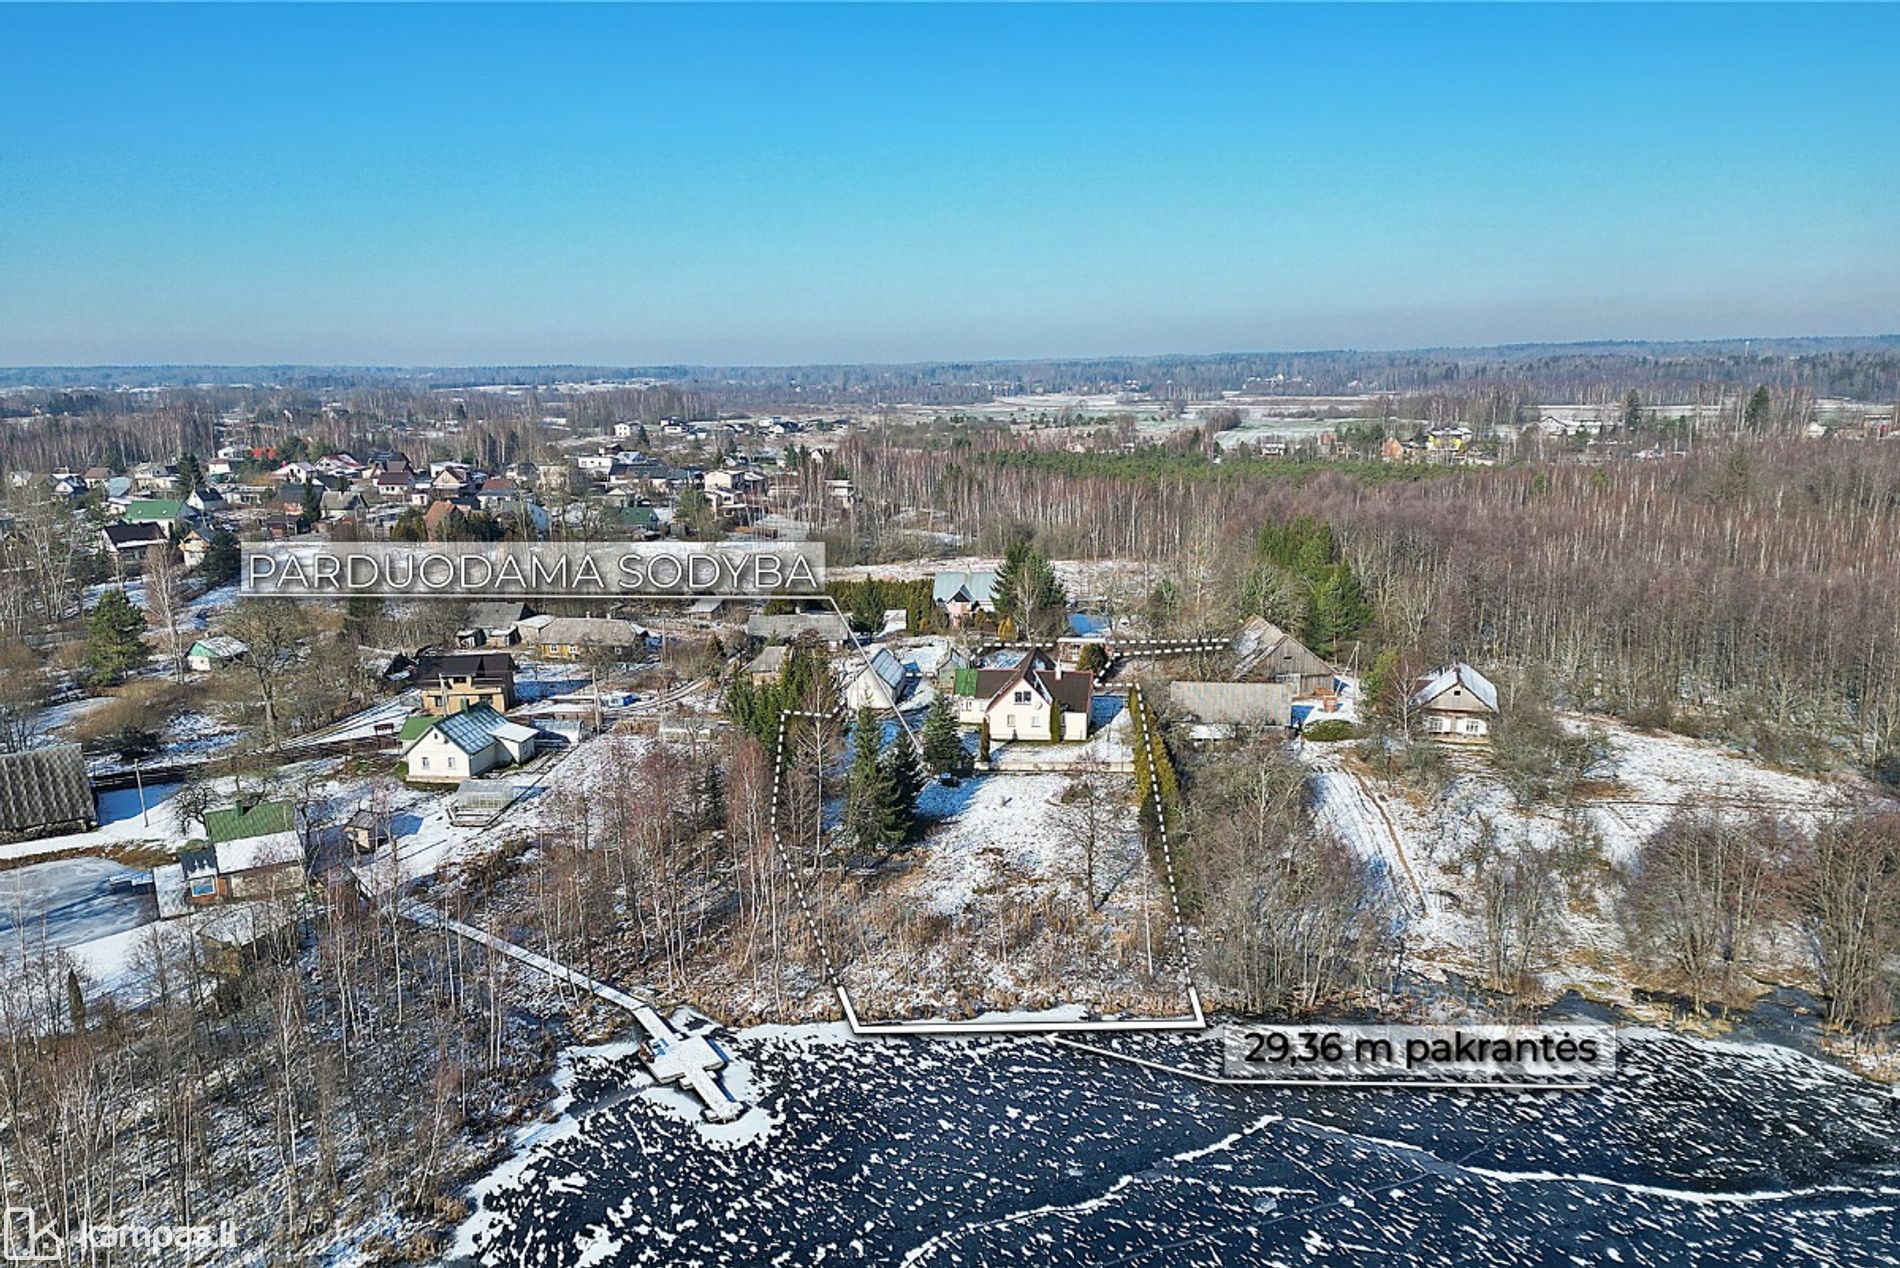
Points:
x=421 y=186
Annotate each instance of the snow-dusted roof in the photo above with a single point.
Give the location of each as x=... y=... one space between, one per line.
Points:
x=222 y=646
x=977 y=587
x=273 y=850
x=1459 y=674
x=513 y=732
x=168 y=886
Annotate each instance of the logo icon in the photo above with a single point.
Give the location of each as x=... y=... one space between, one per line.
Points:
x=24 y=1241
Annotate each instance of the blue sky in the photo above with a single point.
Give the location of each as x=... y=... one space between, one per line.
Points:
x=446 y=185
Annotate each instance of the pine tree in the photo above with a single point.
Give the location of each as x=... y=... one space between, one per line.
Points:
x=113 y=643
x=1760 y=405
x=223 y=559
x=943 y=746
x=1027 y=593
x=904 y=773
x=870 y=799
x=360 y=614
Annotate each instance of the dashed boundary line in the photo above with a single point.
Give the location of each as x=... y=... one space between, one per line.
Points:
x=1147 y=740
x=1195 y=1020
x=784 y=856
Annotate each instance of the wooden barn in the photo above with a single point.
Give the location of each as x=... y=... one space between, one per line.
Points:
x=44 y=791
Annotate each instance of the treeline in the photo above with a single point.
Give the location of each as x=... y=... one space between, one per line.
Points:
x=865 y=602
x=1746 y=590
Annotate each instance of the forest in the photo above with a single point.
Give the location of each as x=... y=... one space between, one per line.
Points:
x=1745 y=591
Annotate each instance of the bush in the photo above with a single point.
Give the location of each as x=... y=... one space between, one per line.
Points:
x=1330 y=730
x=145 y=704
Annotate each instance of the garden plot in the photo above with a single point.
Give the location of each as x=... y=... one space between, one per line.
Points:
x=993 y=910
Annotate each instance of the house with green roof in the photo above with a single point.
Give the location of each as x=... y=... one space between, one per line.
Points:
x=171 y=512
x=248 y=852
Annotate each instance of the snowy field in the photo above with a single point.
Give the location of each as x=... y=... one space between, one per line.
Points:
x=1129 y=578
x=1424 y=846
x=127 y=816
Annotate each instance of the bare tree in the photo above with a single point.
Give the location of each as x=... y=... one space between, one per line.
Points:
x=164 y=602
x=22 y=693
x=1848 y=898
x=1700 y=894
x=1090 y=806
x=271 y=630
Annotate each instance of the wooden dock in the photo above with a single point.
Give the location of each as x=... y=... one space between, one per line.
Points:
x=689 y=1061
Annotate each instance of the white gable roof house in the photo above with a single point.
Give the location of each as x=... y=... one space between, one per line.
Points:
x=877 y=685
x=451 y=749
x=1459 y=704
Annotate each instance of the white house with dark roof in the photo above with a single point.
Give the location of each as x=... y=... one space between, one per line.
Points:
x=1023 y=702
x=449 y=749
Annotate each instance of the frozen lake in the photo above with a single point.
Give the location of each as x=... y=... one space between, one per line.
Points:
x=1014 y=1151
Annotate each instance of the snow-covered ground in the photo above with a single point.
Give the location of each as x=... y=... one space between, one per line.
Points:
x=992 y=910
x=122 y=821
x=69 y=901
x=427 y=842
x=1078 y=576
x=1425 y=846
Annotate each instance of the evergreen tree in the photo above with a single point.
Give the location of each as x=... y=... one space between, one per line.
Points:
x=1336 y=610
x=409 y=527
x=223 y=559
x=867 y=613
x=113 y=643
x=191 y=473
x=904 y=772
x=870 y=799
x=1632 y=411
x=360 y=614
x=1027 y=593
x=1760 y=405
x=943 y=746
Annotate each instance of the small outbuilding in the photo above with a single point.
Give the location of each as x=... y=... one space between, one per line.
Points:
x=214 y=652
